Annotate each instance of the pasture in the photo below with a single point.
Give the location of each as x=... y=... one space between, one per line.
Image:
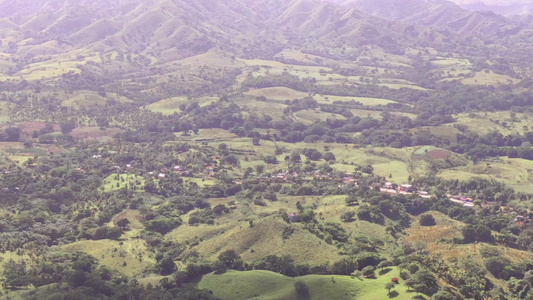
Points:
x=504 y=122
x=130 y=257
x=234 y=285
x=489 y=78
x=311 y=116
x=172 y=105
x=516 y=172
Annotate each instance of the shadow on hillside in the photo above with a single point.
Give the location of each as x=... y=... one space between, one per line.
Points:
x=393 y=294
x=385 y=271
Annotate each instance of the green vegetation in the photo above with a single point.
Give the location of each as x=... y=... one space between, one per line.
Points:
x=267 y=285
x=252 y=149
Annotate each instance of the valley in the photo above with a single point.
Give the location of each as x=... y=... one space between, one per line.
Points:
x=287 y=149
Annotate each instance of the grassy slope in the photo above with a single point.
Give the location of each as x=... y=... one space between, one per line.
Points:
x=266 y=285
x=265 y=238
x=112 y=255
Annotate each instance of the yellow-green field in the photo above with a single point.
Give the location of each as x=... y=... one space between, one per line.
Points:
x=253 y=243
x=130 y=258
x=504 y=122
x=397 y=86
x=258 y=108
x=488 y=77
x=515 y=172
x=283 y=93
x=363 y=100
x=90 y=98
x=234 y=285
x=278 y=93
x=172 y=105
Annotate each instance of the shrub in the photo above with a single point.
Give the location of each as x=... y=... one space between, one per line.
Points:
x=427 y=220
x=368 y=271
x=489 y=251
x=348 y=216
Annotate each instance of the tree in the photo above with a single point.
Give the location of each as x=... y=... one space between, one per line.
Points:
x=368 y=271
x=12 y=134
x=496 y=265
x=477 y=233
x=351 y=200
x=67 y=127
x=328 y=156
x=427 y=220
x=269 y=159
x=443 y=295
x=295 y=157
x=123 y=223
x=348 y=216
x=102 y=122
x=410 y=283
x=389 y=286
x=15 y=275
x=384 y=264
x=167 y=266
x=426 y=282
x=230 y=259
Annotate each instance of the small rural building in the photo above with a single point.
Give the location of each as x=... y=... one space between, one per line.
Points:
x=407 y=188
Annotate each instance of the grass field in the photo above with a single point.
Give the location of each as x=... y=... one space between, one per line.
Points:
x=111 y=183
x=130 y=258
x=172 y=105
x=278 y=93
x=304 y=58
x=233 y=232
x=258 y=108
x=133 y=215
x=283 y=93
x=446 y=62
x=90 y=98
x=95 y=133
x=234 y=285
x=363 y=100
x=447 y=132
x=488 y=77
x=504 y=122
x=397 y=86
x=516 y=172
x=312 y=116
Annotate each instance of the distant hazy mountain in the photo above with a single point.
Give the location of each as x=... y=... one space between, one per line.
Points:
x=168 y=30
x=439 y=14
x=509 y=8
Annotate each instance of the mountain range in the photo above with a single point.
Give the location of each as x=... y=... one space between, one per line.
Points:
x=167 y=30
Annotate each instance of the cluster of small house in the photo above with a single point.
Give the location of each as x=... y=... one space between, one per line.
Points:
x=404 y=189
x=348 y=179
x=177 y=170
x=468 y=202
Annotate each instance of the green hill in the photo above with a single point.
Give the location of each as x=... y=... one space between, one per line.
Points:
x=234 y=285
